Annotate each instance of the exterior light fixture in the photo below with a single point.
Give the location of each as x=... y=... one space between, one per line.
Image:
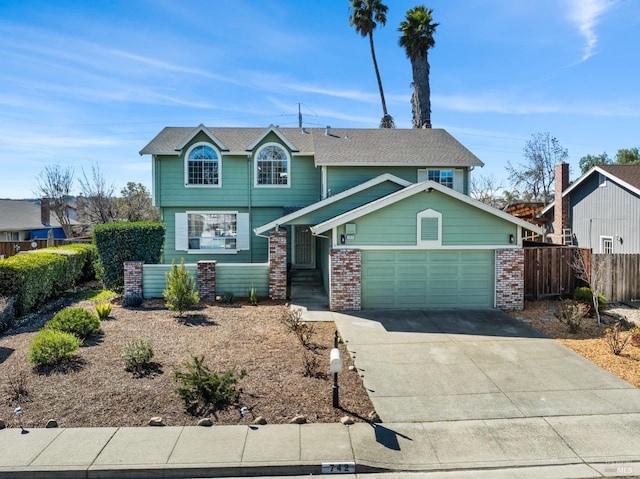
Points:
x=512 y=239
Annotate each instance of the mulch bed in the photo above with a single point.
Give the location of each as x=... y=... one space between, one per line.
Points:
x=95 y=390
x=589 y=340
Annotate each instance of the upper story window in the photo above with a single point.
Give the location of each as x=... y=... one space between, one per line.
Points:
x=202 y=166
x=444 y=177
x=272 y=166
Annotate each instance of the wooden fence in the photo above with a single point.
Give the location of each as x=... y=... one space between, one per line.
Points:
x=620 y=276
x=548 y=272
x=10 y=248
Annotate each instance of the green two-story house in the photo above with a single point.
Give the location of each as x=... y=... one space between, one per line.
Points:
x=390 y=204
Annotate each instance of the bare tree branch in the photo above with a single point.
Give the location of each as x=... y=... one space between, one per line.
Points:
x=593 y=273
x=55 y=184
x=97 y=197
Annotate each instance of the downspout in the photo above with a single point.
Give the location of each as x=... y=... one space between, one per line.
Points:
x=249 y=178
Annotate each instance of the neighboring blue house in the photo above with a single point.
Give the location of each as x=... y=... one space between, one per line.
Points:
x=384 y=214
x=22 y=220
x=600 y=210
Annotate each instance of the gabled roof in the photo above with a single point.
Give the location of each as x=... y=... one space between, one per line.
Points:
x=413 y=190
x=22 y=215
x=627 y=176
x=332 y=199
x=335 y=147
x=206 y=131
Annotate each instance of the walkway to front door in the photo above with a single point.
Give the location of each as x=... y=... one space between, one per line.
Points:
x=308 y=294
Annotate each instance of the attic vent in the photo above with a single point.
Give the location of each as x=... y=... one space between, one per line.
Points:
x=328 y=131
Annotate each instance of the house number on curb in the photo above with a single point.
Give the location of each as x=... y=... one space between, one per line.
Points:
x=338 y=468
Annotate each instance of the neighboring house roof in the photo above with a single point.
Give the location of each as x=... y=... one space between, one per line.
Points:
x=625 y=175
x=332 y=199
x=336 y=147
x=526 y=210
x=22 y=215
x=410 y=191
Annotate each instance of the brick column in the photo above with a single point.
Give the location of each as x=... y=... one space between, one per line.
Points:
x=345 y=266
x=207 y=280
x=133 y=277
x=510 y=279
x=278 y=265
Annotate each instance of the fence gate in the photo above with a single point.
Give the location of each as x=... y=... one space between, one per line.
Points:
x=548 y=273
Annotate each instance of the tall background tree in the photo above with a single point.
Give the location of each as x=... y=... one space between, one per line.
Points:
x=486 y=189
x=365 y=17
x=536 y=174
x=135 y=203
x=96 y=202
x=55 y=183
x=417 y=39
x=625 y=156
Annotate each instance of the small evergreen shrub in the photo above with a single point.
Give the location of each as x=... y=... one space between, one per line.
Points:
x=136 y=355
x=201 y=389
x=132 y=300
x=571 y=314
x=585 y=295
x=77 y=321
x=7 y=313
x=180 y=294
x=227 y=298
x=103 y=309
x=51 y=347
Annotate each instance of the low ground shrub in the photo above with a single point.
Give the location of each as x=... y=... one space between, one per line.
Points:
x=103 y=309
x=303 y=331
x=227 y=298
x=253 y=297
x=132 y=300
x=616 y=338
x=180 y=294
x=51 y=347
x=136 y=355
x=7 y=313
x=571 y=313
x=77 y=321
x=635 y=337
x=585 y=295
x=202 y=390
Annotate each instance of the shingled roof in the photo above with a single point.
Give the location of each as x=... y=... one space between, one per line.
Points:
x=22 y=215
x=339 y=146
x=628 y=173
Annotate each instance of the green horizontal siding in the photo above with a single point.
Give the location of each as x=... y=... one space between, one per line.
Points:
x=340 y=178
x=234 y=278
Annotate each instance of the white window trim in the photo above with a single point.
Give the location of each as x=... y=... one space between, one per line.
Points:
x=186 y=166
x=255 y=166
x=428 y=213
x=243 y=233
x=602 y=239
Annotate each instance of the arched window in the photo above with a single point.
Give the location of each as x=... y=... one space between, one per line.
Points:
x=203 y=165
x=272 y=166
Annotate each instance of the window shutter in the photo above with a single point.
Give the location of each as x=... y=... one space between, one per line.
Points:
x=458 y=180
x=429 y=229
x=243 y=232
x=181 y=233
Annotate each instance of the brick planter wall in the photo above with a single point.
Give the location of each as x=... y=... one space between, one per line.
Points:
x=207 y=280
x=510 y=279
x=278 y=265
x=133 y=277
x=345 y=267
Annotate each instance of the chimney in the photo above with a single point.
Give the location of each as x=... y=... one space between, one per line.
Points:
x=328 y=131
x=560 y=204
x=45 y=212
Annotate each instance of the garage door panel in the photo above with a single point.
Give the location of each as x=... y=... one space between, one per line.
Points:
x=428 y=278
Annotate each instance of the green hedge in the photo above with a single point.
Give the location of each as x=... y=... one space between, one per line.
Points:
x=33 y=277
x=118 y=243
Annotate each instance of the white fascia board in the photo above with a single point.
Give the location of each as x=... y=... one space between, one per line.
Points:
x=410 y=191
x=202 y=129
x=272 y=129
x=332 y=199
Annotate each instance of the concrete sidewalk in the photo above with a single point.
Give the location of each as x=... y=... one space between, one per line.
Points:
x=570 y=446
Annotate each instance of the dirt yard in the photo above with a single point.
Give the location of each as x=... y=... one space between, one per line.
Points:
x=95 y=390
x=589 y=340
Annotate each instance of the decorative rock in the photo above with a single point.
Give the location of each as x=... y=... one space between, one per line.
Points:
x=205 y=422
x=51 y=423
x=373 y=417
x=259 y=421
x=352 y=368
x=156 y=421
x=2 y=424
x=298 y=420
x=347 y=420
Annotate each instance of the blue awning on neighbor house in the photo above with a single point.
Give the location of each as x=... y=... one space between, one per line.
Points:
x=58 y=233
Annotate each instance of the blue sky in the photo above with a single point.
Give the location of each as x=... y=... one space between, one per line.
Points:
x=92 y=82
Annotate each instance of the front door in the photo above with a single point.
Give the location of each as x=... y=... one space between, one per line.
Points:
x=304 y=243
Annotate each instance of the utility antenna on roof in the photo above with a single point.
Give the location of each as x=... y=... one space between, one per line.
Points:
x=299 y=116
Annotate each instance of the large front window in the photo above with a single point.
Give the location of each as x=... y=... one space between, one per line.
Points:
x=203 y=165
x=444 y=177
x=272 y=166
x=212 y=231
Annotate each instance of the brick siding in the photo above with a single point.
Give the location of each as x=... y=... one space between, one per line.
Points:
x=207 y=280
x=133 y=277
x=346 y=280
x=278 y=265
x=510 y=279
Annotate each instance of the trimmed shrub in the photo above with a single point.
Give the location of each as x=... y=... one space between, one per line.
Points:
x=51 y=347
x=77 y=321
x=227 y=298
x=180 y=294
x=132 y=300
x=201 y=389
x=88 y=255
x=124 y=241
x=103 y=309
x=585 y=295
x=571 y=314
x=136 y=355
x=7 y=313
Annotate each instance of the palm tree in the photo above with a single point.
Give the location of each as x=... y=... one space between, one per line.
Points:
x=417 y=38
x=365 y=17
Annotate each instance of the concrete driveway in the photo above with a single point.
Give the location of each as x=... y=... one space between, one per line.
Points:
x=441 y=365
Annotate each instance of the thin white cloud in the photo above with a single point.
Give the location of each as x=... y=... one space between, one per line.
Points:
x=586 y=14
